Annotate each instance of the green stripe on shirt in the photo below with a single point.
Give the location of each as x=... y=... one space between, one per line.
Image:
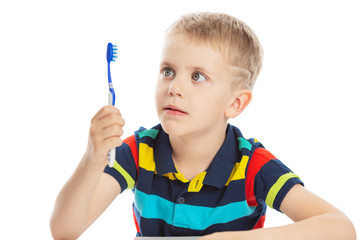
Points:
x=274 y=190
x=130 y=182
x=152 y=133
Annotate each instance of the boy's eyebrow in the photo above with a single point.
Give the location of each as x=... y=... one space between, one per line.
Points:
x=204 y=70
x=164 y=63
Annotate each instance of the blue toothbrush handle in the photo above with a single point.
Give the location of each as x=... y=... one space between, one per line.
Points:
x=111 y=55
x=111 y=89
x=111 y=154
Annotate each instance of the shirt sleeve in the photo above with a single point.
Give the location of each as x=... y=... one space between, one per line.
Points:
x=125 y=169
x=268 y=179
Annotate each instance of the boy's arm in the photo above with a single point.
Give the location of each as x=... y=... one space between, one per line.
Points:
x=314 y=219
x=89 y=191
x=81 y=201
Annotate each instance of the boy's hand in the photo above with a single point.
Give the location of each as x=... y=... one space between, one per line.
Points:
x=105 y=132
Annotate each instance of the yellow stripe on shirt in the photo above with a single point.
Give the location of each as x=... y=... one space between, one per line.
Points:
x=238 y=171
x=196 y=183
x=146 y=157
x=274 y=190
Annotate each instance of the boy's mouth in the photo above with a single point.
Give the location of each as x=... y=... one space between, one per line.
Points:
x=174 y=110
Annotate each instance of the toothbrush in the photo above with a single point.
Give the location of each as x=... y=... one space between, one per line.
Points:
x=111 y=56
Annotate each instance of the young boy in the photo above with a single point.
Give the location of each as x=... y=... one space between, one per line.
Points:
x=194 y=174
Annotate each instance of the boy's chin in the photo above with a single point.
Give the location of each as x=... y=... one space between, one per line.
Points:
x=172 y=128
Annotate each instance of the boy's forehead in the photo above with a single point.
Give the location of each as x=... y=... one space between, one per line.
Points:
x=178 y=45
x=189 y=41
x=179 y=38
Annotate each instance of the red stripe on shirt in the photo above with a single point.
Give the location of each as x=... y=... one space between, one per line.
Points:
x=131 y=142
x=133 y=147
x=258 y=159
x=136 y=222
x=260 y=223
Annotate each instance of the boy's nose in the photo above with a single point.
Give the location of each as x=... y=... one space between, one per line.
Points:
x=175 y=89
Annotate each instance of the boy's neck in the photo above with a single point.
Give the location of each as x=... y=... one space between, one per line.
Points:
x=193 y=154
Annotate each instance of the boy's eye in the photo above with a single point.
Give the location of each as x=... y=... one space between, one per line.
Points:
x=198 y=77
x=168 y=72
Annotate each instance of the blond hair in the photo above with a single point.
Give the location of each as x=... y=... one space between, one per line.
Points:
x=233 y=38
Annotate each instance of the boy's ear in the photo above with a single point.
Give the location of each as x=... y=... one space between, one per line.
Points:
x=241 y=99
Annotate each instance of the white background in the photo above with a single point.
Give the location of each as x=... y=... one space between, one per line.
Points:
x=53 y=79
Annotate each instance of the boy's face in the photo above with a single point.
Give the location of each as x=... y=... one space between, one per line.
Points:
x=194 y=87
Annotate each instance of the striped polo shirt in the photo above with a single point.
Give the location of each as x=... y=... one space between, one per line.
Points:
x=231 y=195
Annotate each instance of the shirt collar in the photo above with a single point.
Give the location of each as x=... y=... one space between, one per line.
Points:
x=223 y=163
x=220 y=168
x=162 y=154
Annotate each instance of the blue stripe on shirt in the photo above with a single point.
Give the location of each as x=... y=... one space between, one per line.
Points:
x=189 y=216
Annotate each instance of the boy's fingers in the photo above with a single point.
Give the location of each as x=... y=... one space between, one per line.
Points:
x=107 y=145
x=104 y=111
x=114 y=130
x=99 y=134
x=114 y=142
x=108 y=121
x=106 y=129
